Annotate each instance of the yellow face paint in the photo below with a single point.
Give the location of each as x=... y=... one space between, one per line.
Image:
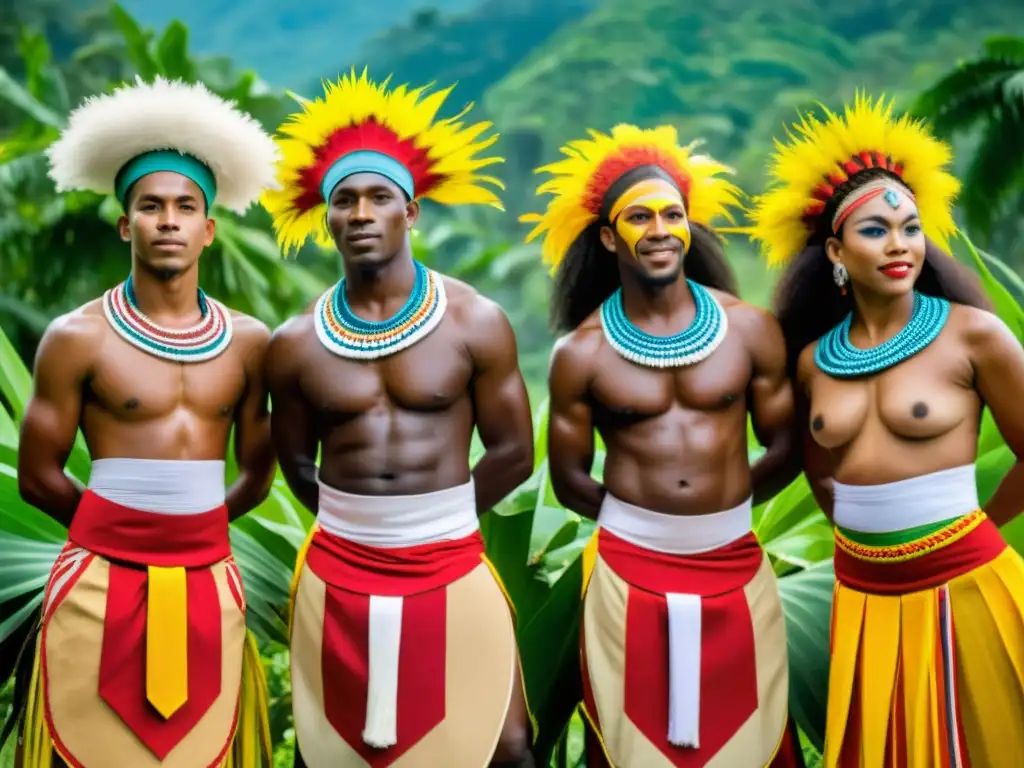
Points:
x=661 y=202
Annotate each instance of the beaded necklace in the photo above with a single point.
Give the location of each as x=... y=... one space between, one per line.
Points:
x=349 y=336
x=693 y=344
x=203 y=341
x=837 y=357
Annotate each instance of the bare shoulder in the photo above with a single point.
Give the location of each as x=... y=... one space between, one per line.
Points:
x=80 y=331
x=745 y=317
x=757 y=327
x=983 y=333
x=294 y=329
x=248 y=330
x=574 y=354
x=467 y=304
x=288 y=346
x=480 y=319
x=976 y=325
x=805 y=365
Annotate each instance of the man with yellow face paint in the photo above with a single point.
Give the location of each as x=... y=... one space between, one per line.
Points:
x=682 y=635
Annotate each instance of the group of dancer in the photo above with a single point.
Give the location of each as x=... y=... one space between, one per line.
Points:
x=869 y=374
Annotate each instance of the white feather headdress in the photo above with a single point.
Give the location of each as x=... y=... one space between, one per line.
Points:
x=108 y=131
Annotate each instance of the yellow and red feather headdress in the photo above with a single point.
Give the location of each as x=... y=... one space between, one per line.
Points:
x=581 y=180
x=822 y=155
x=359 y=125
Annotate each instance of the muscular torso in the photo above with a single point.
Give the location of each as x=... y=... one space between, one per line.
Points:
x=398 y=425
x=135 y=405
x=676 y=439
x=917 y=417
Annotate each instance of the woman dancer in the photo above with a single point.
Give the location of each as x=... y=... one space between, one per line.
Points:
x=894 y=355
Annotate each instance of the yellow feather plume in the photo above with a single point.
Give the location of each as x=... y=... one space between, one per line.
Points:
x=591 y=166
x=447 y=151
x=817 y=150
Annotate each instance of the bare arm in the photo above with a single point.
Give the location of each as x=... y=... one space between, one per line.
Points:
x=571 y=431
x=817 y=461
x=62 y=367
x=999 y=371
x=292 y=423
x=254 y=451
x=771 y=404
x=501 y=406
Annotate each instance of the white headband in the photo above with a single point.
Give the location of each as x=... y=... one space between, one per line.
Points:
x=891 y=190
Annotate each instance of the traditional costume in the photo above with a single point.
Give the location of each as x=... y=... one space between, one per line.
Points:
x=683 y=644
x=143 y=659
x=403 y=648
x=927 y=645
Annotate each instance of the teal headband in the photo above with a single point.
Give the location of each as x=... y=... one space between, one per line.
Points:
x=366 y=161
x=165 y=160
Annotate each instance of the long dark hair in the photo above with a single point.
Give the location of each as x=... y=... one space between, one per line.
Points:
x=589 y=273
x=807 y=302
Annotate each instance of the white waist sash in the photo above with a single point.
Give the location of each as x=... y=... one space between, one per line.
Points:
x=388 y=522
x=891 y=507
x=165 y=486
x=679 y=535
x=399 y=521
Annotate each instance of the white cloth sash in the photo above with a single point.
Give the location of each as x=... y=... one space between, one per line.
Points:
x=164 y=486
x=388 y=522
x=679 y=535
x=890 y=507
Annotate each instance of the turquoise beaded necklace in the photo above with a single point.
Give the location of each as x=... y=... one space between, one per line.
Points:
x=691 y=345
x=345 y=334
x=837 y=357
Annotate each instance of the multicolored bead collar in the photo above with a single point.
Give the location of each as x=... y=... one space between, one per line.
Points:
x=695 y=343
x=348 y=336
x=203 y=341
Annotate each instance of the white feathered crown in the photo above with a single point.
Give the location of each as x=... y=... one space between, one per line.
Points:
x=107 y=132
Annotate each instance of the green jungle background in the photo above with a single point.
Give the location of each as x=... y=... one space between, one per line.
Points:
x=731 y=71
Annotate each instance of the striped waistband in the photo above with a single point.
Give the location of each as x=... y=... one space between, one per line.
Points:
x=897 y=546
x=920 y=559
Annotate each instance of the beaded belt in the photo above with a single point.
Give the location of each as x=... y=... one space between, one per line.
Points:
x=908 y=544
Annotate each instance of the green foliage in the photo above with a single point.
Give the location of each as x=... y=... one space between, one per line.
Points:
x=731 y=71
x=985 y=96
x=297 y=38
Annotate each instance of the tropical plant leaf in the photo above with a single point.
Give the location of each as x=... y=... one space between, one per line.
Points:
x=807 y=605
x=265 y=580
x=549 y=648
x=1006 y=307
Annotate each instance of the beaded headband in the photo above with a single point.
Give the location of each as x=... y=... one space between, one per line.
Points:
x=892 y=192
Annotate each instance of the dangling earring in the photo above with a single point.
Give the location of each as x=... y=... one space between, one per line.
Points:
x=840 y=276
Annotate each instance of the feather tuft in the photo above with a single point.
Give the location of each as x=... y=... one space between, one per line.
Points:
x=109 y=130
x=580 y=181
x=354 y=113
x=820 y=155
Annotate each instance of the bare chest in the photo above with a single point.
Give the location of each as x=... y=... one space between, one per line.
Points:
x=430 y=376
x=921 y=398
x=624 y=391
x=136 y=386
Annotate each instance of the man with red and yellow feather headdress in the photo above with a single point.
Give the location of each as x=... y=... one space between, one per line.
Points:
x=403 y=649
x=683 y=639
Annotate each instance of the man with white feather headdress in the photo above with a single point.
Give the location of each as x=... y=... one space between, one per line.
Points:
x=143 y=658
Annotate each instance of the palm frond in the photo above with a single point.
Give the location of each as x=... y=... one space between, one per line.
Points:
x=995 y=170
